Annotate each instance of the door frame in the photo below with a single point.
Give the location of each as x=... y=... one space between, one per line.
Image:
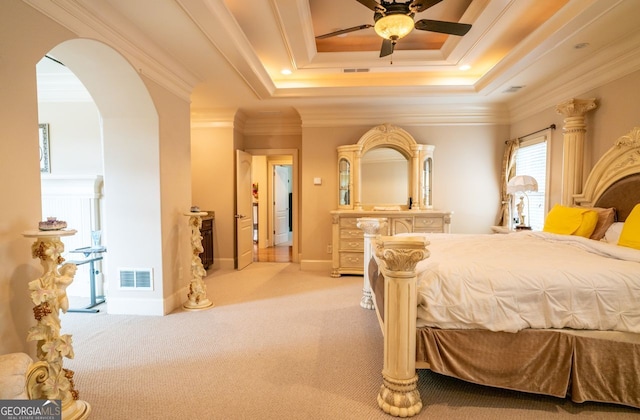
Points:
x=295 y=193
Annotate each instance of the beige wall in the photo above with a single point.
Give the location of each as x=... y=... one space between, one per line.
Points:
x=213 y=185
x=175 y=193
x=26 y=36
x=74 y=131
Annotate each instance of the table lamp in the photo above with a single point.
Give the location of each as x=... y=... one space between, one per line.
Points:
x=522 y=184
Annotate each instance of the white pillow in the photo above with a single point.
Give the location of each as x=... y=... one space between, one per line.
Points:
x=613 y=233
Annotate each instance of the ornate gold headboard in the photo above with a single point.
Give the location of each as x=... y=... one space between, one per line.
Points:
x=614 y=180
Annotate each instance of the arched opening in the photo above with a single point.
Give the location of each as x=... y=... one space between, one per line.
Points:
x=130 y=213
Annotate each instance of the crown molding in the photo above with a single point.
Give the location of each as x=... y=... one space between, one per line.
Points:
x=215 y=118
x=405 y=115
x=144 y=56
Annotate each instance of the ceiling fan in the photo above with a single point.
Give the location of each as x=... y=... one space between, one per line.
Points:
x=393 y=20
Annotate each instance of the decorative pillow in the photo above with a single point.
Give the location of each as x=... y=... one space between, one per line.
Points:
x=606 y=217
x=613 y=233
x=630 y=235
x=571 y=221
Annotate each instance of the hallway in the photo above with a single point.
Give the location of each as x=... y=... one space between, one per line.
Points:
x=278 y=253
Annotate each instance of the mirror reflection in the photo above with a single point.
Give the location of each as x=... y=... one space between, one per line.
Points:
x=385 y=177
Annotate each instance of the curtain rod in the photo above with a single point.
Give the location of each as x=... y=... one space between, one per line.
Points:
x=552 y=127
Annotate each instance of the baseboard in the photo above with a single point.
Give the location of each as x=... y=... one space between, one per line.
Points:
x=135 y=306
x=316 y=265
x=176 y=300
x=223 y=264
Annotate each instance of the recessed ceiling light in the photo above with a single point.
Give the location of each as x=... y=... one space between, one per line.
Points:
x=464 y=67
x=286 y=72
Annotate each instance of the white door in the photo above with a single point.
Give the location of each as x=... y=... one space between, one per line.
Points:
x=244 y=219
x=281 y=204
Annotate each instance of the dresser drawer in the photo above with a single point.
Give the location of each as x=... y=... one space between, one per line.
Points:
x=351 y=234
x=428 y=224
x=351 y=260
x=351 y=245
x=349 y=223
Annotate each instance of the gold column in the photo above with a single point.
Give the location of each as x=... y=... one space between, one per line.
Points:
x=399 y=255
x=371 y=227
x=574 y=131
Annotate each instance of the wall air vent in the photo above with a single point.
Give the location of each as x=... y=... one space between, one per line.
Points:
x=512 y=89
x=136 y=278
x=355 y=70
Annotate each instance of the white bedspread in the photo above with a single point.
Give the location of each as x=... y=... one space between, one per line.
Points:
x=528 y=280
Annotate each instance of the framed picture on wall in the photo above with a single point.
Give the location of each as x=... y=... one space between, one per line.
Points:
x=45 y=164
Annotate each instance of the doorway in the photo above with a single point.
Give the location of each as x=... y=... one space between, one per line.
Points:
x=274 y=174
x=130 y=149
x=281 y=204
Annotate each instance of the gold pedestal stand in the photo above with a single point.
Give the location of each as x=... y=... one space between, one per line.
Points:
x=197 y=296
x=48 y=294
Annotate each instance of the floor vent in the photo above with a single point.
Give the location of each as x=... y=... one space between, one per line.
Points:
x=136 y=278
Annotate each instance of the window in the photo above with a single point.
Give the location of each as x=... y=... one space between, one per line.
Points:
x=531 y=159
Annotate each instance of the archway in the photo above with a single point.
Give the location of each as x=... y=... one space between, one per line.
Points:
x=131 y=159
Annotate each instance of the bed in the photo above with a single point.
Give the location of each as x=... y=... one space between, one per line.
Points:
x=572 y=333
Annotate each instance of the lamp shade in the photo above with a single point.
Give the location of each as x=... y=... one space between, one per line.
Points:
x=394 y=26
x=522 y=183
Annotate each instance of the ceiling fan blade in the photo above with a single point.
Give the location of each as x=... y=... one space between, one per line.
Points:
x=344 y=31
x=451 y=28
x=422 y=5
x=387 y=48
x=371 y=4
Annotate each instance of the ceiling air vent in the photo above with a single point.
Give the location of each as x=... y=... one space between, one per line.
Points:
x=512 y=89
x=136 y=278
x=355 y=70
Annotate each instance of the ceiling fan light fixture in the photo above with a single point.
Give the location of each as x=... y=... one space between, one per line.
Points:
x=394 y=27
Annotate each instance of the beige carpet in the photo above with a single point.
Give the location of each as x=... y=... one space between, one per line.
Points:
x=279 y=344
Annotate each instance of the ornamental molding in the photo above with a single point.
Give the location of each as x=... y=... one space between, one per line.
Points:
x=401 y=254
x=632 y=139
x=576 y=107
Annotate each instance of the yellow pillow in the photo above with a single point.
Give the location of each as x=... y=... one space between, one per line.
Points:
x=571 y=221
x=630 y=235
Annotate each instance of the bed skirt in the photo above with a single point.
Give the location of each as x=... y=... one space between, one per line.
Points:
x=584 y=365
x=601 y=366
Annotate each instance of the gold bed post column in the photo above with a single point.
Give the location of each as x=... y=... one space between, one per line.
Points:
x=371 y=227
x=574 y=131
x=399 y=255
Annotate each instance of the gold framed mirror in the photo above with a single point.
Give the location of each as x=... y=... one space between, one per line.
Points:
x=385 y=169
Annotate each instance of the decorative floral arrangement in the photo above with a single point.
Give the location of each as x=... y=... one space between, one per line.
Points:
x=254 y=190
